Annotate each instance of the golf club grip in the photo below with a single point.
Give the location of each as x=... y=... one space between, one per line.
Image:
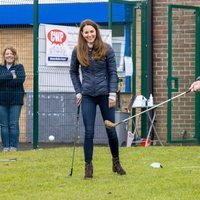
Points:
x=157 y=105
x=188 y=91
x=77 y=122
x=78 y=110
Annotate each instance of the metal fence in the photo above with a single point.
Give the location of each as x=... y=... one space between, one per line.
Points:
x=56 y=97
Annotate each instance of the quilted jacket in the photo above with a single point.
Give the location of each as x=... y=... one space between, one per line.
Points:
x=12 y=90
x=99 y=78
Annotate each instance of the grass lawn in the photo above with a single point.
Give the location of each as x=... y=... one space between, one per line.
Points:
x=43 y=174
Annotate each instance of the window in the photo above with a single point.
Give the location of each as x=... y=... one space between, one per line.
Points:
x=118 y=44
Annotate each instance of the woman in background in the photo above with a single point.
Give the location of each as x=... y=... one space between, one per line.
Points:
x=12 y=77
x=98 y=87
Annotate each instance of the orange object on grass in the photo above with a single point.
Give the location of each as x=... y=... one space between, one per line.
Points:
x=145 y=142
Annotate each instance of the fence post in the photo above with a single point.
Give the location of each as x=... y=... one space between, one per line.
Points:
x=35 y=76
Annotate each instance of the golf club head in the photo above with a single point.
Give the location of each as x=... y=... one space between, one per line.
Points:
x=70 y=174
x=109 y=124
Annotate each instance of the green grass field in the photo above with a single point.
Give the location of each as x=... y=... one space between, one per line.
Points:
x=43 y=174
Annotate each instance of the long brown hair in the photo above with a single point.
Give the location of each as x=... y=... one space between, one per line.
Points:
x=99 y=47
x=14 y=53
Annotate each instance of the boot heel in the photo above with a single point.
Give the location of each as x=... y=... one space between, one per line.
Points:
x=88 y=170
x=114 y=169
x=117 y=168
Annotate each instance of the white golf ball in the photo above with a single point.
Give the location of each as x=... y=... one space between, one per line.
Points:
x=51 y=138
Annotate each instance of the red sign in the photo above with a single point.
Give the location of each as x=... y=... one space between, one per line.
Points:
x=56 y=36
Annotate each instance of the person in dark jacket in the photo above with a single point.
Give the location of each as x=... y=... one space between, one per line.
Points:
x=12 y=77
x=195 y=86
x=98 y=86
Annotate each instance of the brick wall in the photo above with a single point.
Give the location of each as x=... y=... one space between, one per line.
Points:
x=182 y=65
x=21 y=38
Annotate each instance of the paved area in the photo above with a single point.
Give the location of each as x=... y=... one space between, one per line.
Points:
x=29 y=146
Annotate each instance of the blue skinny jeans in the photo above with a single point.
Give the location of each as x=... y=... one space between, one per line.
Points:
x=9 y=123
x=88 y=106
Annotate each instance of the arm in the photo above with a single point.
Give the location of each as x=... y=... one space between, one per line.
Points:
x=195 y=86
x=18 y=75
x=74 y=72
x=112 y=76
x=5 y=76
x=112 y=70
x=75 y=77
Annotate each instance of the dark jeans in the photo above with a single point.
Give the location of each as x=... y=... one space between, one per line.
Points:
x=89 y=105
x=9 y=123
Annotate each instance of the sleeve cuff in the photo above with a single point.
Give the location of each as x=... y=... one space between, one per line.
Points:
x=79 y=95
x=112 y=96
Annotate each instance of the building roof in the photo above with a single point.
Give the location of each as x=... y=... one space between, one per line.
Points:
x=59 y=13
x=25 y=2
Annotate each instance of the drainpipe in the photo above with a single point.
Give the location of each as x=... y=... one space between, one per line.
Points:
x=150 y=48
x=150 y=54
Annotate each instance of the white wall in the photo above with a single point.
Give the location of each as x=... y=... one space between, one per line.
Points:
x=56 y=78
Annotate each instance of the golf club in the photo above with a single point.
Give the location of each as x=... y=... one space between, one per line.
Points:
x=76 y=137
x=109 y=124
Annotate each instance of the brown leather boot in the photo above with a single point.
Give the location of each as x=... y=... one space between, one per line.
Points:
x=117 y=166
x=88 y=170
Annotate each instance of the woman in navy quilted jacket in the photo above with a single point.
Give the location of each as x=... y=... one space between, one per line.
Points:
x=98 y=86
x=12 y=77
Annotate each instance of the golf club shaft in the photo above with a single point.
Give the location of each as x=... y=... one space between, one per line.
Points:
x=75 y=139
x=160 y=104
